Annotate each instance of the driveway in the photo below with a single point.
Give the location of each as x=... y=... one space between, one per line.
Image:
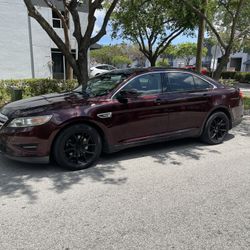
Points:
x=175 y=195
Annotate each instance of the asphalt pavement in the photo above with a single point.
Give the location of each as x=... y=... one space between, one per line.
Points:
x=173 y=195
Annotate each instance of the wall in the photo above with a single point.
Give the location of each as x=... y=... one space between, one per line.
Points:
x=15 y=62
x=14 y=40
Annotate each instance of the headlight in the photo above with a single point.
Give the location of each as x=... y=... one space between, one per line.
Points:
x=24 y=122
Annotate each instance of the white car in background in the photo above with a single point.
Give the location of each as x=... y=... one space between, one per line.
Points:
x=100 y=69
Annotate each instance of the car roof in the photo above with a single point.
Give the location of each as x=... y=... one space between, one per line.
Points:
x=130 y=72
x=150 y=69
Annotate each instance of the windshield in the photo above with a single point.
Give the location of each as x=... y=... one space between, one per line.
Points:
x=103 y=84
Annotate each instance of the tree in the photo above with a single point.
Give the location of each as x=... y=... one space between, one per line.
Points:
x=230 y=24
x=117 y=55
x=169 y=54
x=152 y=25
x=201 y=33
x=162 y=63
x=105 y=54
x=188 y=51
x=84 y=41
x=119 y=61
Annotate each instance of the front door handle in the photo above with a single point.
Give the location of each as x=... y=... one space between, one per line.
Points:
x=158 y=101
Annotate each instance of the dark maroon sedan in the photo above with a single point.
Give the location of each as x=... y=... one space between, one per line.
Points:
x=117 y=110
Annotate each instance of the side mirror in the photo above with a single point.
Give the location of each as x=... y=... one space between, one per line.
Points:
x=124 y=95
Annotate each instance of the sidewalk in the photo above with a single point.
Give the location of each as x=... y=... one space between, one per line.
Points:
x=244 y=86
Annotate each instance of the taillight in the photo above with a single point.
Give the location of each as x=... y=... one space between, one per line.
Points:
x=241 y=94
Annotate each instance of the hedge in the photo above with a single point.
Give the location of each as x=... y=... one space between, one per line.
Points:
x=34 y=87
x=243 y=77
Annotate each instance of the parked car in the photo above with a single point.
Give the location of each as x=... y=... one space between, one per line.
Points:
x=204 y=70
x=100 y=69
x=117 y=110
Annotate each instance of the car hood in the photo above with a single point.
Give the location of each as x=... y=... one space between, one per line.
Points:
x=45 y=103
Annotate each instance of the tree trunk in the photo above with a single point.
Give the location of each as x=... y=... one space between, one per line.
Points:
x=222 y=64
x=69 y=72
x=82 y=63
x=152 y=61
x=200 y=40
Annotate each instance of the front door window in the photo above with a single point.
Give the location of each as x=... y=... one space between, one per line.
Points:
x=149 y=84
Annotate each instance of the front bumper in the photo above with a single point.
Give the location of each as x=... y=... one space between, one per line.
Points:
x=34 y=160
x=30 y=145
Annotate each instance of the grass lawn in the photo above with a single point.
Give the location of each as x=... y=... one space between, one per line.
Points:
x=247 y=102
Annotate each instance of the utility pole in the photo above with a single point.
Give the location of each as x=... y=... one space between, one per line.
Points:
x=31 y=48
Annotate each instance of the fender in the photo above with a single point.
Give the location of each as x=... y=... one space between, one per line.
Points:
x=221 y=108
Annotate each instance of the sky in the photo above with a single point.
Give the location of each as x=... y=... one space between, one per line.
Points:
x=107 y=40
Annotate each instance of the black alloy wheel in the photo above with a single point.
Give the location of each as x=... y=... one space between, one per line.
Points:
x=77 y=147
x=216 y=128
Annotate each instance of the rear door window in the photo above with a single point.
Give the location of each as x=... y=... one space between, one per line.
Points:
x=179 y=82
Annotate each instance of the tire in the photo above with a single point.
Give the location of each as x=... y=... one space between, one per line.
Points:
x=77 y=147
x=216 y=128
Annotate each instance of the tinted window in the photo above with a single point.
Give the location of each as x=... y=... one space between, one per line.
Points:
x=179 y=82
x=146 y=84
x=201 y=84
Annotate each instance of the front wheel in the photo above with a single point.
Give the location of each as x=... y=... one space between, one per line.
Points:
x=216 y=128
x=77 y=147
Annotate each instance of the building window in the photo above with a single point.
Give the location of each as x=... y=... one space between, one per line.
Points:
x=59 y=63
x=57 y=22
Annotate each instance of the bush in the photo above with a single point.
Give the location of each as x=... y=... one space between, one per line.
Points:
x=243 y=77
x=34 y=87
x=228 y=75
x=247 y=102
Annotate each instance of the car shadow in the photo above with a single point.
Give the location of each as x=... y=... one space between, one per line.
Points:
x=19 y=179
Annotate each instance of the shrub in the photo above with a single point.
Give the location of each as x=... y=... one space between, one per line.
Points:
x=238 y=76
x=228 y=75
x=34 y=87
x=247 y=102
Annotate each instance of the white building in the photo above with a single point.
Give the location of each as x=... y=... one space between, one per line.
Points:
x=26 y=51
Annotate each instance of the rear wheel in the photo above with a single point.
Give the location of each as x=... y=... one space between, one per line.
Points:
x=77 y=147
x=216 y=128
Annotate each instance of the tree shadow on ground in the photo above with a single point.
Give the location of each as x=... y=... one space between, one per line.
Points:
x=19 y=179
x=243 y=128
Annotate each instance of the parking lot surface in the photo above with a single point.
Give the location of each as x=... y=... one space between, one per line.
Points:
x=173 y=195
